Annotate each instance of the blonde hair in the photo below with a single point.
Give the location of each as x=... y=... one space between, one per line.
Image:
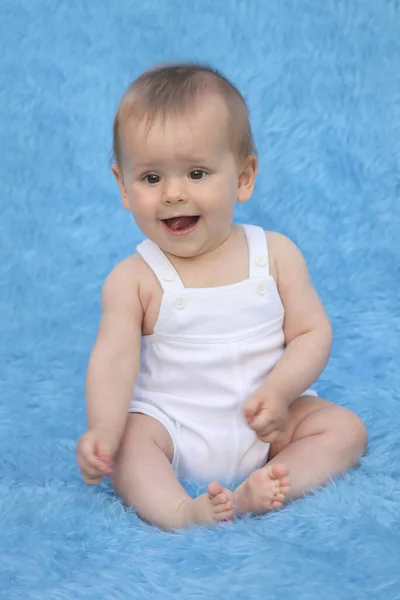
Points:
x=171 y=90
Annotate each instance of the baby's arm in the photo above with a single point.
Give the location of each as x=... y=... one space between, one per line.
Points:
x=308 y=332
x=112 y=370
x=308 y=340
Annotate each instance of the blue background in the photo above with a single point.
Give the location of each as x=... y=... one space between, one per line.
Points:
x=322 y=80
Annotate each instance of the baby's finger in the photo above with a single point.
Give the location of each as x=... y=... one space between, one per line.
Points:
x=89 y=464
x=98 y=463
x=86 y=466
x=269 y=433
x=271 y=437
x=87 y=454
x=103 y=454
x=103 y=465
x=90 y=474
x=96 y=466
x=91 y=479
x=85 y=448
x=272 y=431
x=252 y=408
x=261 y=422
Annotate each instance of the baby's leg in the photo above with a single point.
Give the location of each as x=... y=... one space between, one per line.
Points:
x=145 y=479
x=321 y=440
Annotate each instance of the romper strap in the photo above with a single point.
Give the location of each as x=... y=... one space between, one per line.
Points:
x=162 y=268
x=258 y=251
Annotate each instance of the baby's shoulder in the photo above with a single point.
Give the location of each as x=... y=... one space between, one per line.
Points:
x=124 y=279
x=282 y=251
x=131 y=279
x=126 y=270
x=279 y=244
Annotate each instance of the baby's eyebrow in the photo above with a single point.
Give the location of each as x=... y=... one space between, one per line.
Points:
x=152 y=165
x=147 y=166
x=189 y=161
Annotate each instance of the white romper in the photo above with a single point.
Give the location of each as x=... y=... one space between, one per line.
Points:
x=210 y=350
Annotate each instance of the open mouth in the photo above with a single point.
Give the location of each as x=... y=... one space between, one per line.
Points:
x=181 y=225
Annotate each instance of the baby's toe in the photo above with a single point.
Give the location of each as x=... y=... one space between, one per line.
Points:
x=219 y=499
x=277 y=505
x=284 y=488
x=214 y=489
x=284 y=482
x=277 y=471
x=221 y=508
x=227 y=515
x=225 y=512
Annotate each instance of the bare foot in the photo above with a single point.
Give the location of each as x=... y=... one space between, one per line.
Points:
x=210 y=508
x=263 y=490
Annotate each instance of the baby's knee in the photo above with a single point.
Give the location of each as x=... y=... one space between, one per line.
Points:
x=360 y=431
x=351 y=432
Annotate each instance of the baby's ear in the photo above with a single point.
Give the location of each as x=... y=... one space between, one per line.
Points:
x=118 y=176
x=247 y=178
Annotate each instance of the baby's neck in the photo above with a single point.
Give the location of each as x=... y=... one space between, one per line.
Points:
x=222 y=246
x=225 y=263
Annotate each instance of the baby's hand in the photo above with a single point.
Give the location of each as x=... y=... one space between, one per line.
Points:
x=266 y=413
x=95 y=453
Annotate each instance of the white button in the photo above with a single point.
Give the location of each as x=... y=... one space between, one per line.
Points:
x=262 y=288
x=180 y=302
x=261 y=260
x=169 y=276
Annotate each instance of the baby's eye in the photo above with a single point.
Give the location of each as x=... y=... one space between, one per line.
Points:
x=151 y=178
x=197 y=174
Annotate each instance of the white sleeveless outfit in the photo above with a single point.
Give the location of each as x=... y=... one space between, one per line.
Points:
x=211 y=349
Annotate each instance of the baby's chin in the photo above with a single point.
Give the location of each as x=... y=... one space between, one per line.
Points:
x=181 y=237
x=182 y=251
x=185 y=237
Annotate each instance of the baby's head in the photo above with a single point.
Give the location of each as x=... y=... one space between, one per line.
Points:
x=184 y=155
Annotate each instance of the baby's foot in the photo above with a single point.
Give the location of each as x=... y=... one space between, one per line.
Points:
x=263 y=490
x=210 y=508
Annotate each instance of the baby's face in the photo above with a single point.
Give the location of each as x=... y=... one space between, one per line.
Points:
x=180 y=179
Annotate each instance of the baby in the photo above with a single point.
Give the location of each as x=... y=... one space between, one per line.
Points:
x=211 y=333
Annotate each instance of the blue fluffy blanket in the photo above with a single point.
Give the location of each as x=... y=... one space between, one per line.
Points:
x=322 y=82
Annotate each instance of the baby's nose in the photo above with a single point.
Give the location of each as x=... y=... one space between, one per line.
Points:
x=174 y=192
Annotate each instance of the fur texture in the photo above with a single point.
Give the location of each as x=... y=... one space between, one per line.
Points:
x=322 y=83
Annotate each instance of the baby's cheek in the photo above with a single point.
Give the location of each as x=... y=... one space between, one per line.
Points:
x=225 y=194
x=144 y=204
